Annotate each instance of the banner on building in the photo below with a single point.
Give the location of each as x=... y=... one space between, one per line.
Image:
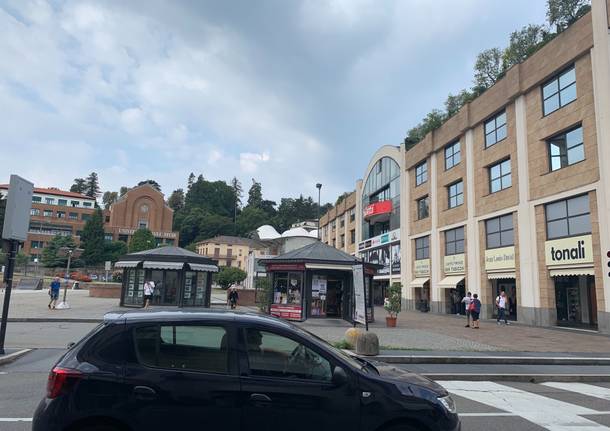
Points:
x=359 y=294
x=500 y=258
x=455 y=264
x=569 y=251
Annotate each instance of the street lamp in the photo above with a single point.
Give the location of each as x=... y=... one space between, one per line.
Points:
x=319 y=187
x=71 y=253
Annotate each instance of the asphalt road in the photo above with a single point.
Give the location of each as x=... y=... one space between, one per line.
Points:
x=483 y=406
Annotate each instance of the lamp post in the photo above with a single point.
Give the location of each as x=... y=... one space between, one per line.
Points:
x=70 y=252
x=319 y=187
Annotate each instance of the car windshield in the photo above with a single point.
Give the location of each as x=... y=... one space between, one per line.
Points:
x=353 y=360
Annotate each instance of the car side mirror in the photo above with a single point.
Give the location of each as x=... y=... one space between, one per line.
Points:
x=339 y=377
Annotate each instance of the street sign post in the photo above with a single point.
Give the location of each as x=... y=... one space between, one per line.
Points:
x=14 y=230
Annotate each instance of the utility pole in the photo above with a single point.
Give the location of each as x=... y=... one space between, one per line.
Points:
x=319 y=187
x=70 y=252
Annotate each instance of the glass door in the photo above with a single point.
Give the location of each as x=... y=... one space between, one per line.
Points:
x=156 y=276
x=170 y=292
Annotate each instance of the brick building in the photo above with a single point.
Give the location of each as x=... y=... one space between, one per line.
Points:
x=338 y=225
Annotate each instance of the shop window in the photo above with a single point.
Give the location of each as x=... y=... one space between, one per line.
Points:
x=421 y=173
x=570 y=217
x=559 y=91
x=566 y=149
x=183 y=347
x=455 y=194
x=422 y=248
x=62 y=202
x=423 y=208
x=287 y=288
x=452 y=155
x=500 y=177
x=500 y=232
x=495 y=129
x=267 y=353
x=454 y=241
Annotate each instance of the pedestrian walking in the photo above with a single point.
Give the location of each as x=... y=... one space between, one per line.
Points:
x=233 y=297
x=475 y=310
x=466 y=300
x=54 y=292
x=149 y=289
x=501 y=303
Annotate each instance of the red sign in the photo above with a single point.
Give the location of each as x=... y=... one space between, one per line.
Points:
x=377 y=208
x=288 y=312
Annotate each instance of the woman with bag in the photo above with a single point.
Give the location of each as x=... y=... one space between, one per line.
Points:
x=475 y=310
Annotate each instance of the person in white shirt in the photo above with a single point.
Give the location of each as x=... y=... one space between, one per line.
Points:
x=501 y=303
x=149 y=289
x=466 y=300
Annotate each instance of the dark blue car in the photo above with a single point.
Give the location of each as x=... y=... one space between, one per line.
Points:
x=171 y=370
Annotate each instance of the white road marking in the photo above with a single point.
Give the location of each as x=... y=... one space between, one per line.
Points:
x=15 y=419
x=548 y=413
x=582 y=388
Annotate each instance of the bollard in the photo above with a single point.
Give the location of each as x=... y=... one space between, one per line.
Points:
x=367 y=344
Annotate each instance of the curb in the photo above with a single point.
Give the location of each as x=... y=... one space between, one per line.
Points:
x=522 y=378
x=7 y=359
x=493 y=360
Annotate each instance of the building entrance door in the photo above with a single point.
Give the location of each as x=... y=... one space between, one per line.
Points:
x=575 y=301
x=453 y=299
x=334 y=298
x=509 y=287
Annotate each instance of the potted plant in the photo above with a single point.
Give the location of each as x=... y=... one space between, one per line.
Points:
x=392 y=304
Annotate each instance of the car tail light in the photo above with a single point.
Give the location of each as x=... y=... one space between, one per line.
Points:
x=61 y=381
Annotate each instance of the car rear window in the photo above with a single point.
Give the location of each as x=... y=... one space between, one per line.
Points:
x=185 y=347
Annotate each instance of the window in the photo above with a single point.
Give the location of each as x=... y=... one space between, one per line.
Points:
x=62 y=202
x=500 y=176
x=61 y=214
x=34 y=212
x=342 y=222
x=85 y=217
x=456 y=194
x=452 y=155
x=352 y=215
x=342 y=241
x=495 y=129
x=332 y=225
x=37 y=244
x=143 y=224
x=559 y=91
x=47 y=213
x=566 y=149
x=423 y=208
x=183 y=347
x=568 y=217
x=36 y=199
x=352 y=235
x=422 y=248
x=421 y=173
x=454 y=241
x=87 y=204
x=73 y=216
x=216 y=252
x=334 y=242
x=50 y=201
x=74 y=203
x=500 y=231
x=272 y=355
x=107 y=237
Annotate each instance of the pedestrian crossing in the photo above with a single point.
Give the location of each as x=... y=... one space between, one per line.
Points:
x=555 y=406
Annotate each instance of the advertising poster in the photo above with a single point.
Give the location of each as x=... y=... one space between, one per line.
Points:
x=360 y=308
x=395 y=258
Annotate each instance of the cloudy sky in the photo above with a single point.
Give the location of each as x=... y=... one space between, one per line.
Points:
x=290 y=92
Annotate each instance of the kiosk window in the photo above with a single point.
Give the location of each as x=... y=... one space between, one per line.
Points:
x=183 y=347
x=272 y=355
x=287 y=288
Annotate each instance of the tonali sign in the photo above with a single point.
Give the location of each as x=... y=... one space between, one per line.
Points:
x=574 y=250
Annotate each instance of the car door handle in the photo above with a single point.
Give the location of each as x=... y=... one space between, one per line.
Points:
x=144 y=393
x=260 y=400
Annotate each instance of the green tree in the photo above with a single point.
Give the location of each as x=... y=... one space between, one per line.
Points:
x=190 y=181
x=250 y=219
x=141 y=240
x=21 y=259
x=92 y=188
x=523 y=43
x=228 y=276
x=92 y=239
x=453 y=104
x=488 y=68
x=237 y=191
x=113 y=250
x=432 y=121
x=255 y=194
x=108 y=198
x=50 y=257
x=342 y=197
x=176 y=200
x=563 y=13
x=123 y=190
x=263 y=294
x=79 y=186
x=153 y=183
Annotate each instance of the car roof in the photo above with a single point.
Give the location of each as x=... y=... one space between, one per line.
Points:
x=189 y=315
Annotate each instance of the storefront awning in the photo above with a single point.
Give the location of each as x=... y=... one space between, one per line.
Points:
x=571 y=271
x=450 y=281
x=163 y=265
x=328 y=266
x=419 y=282
x=126 y=264
x=203 y=267
x=500 y=275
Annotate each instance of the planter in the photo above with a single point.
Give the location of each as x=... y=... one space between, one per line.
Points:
x=390 y=322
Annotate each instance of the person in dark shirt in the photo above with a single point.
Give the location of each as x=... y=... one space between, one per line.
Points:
x=475 y=311
x=54 y=292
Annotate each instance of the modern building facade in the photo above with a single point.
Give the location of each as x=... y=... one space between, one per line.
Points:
x=512 y=193
x=338 y=225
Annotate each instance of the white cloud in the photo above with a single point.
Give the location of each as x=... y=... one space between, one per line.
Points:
x=250 y=162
